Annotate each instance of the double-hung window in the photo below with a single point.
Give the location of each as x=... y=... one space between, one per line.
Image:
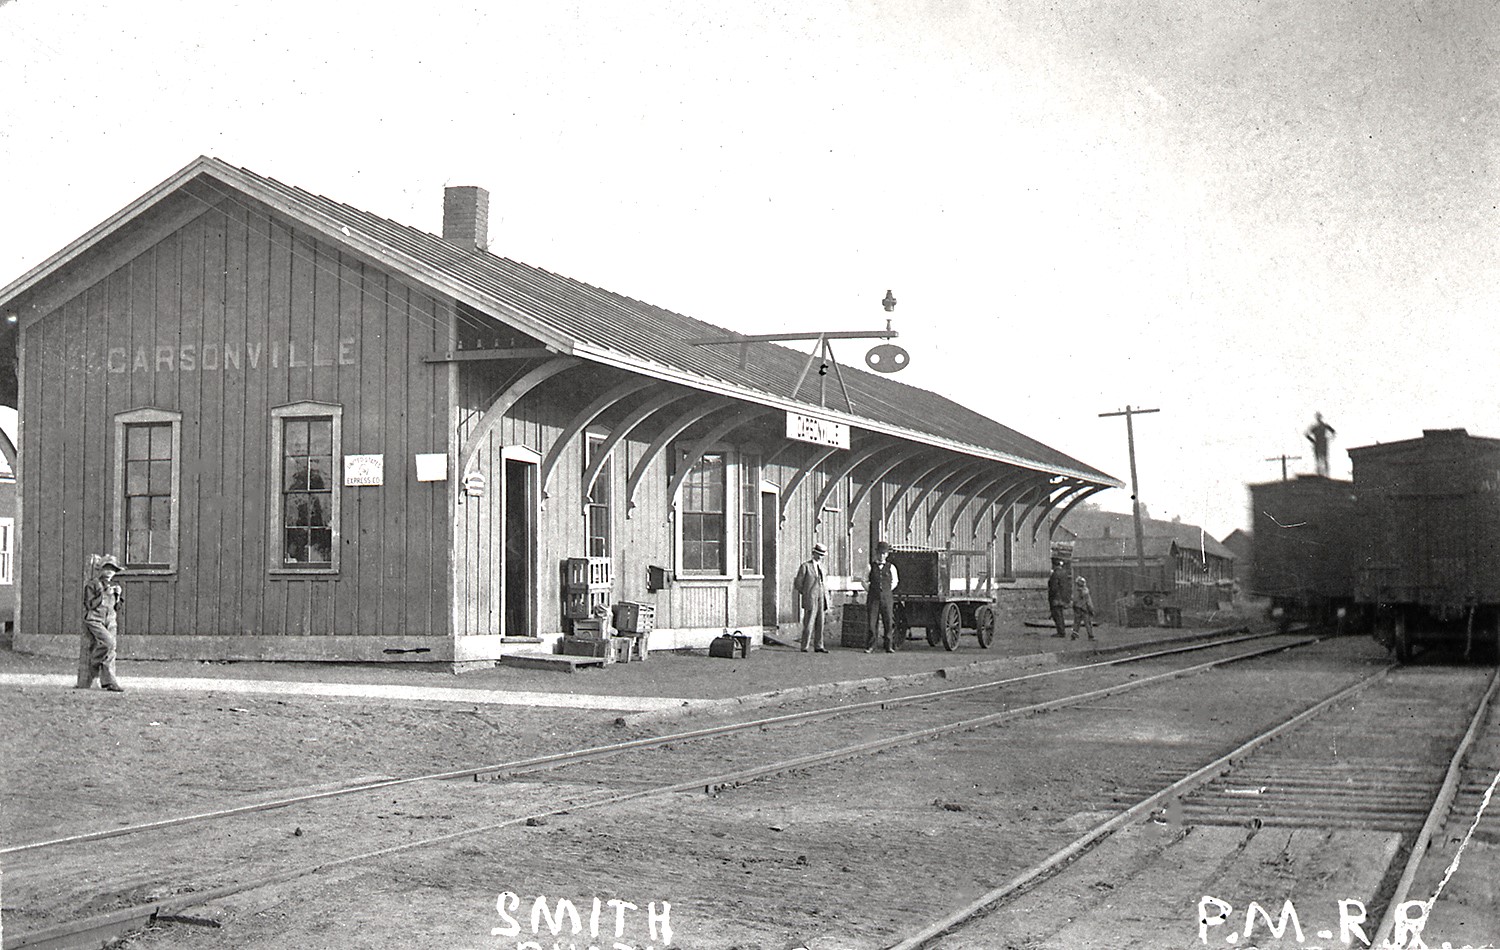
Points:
x=749 y=514
x=598 y=502
x=148 y=475
x=705 y=517
x=305 y=454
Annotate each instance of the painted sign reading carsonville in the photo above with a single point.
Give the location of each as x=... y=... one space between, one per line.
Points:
x=364 y=470
x=806 y=428
x=211 y=356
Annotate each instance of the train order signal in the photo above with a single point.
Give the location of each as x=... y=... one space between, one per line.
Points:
x=887 y=358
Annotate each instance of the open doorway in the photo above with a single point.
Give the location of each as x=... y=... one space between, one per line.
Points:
x=519 y=595
x=770 y=517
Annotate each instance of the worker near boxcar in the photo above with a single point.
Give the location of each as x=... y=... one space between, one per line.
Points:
x=1083 y=607
x=1320 y=434
x=812 y=598
x=881 y=586
x=1058 y=598
x=101 y=601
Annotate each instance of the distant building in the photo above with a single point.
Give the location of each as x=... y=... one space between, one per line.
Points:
x=1241 y=543
x=1181 y=559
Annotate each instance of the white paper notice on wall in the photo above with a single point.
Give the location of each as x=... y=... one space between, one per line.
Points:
x=432 y=468
x=364 y=470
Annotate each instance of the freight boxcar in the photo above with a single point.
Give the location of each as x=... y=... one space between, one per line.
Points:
x=1304 y=549
x=1430 y=508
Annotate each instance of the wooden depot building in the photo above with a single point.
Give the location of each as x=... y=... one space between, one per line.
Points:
x=311 y=433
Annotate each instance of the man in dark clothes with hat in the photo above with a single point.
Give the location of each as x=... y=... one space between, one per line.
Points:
x=101 y=599
x=812 y=598
x=881 y=586
x=1059 y=596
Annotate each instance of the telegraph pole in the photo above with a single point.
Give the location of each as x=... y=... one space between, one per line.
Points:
x=1283 y=459
x=1135 y=491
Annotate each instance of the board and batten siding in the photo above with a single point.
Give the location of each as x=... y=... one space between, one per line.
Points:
x=224 y=319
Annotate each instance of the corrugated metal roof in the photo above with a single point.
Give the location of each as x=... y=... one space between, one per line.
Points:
x=609 y=327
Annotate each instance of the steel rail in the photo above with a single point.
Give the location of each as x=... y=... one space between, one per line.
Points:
x=1436 y=817
x=79 y=932
x=1140 y=809
x=578 y=755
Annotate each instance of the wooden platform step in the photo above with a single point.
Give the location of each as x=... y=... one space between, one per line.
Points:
x=550 y=661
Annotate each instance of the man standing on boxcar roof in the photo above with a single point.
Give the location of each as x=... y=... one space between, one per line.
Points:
x=101 y=599
x=1320 y=434
x=812 y=598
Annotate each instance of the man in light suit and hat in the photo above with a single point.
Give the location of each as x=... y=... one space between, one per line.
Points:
x=101 y=600
x=812 y=598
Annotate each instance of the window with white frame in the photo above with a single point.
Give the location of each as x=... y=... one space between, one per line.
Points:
x=147 y=479
x=705 y=517
x=7 y=547
x=598 y=502
x=750 y=514
x=305 y=452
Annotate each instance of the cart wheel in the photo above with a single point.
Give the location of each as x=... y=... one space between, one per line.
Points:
x=984 y=625
x=934 y=636
x=951 y=623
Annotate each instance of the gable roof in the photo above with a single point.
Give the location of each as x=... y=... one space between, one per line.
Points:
x=602 y=326
x=1102 y=534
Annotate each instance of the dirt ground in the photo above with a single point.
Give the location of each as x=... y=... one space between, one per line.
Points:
x=839 y=857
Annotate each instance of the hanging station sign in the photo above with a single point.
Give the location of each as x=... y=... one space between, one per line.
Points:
x=805 y=428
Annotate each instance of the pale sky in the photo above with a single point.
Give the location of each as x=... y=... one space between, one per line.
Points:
x=1237 y=212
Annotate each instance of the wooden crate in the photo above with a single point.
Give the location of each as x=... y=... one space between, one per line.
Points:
x=582 y=646
x=589 y=573
x=581 y=604
x=625 y=649
x=591 y=628
x=635 y=618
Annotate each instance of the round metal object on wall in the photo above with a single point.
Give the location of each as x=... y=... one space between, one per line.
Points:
x=887 y=358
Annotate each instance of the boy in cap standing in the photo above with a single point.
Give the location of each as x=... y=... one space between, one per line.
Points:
x=812 y=598
x=101 y=599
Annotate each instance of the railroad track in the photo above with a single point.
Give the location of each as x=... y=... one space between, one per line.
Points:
x=1319 y=809
x=226 y=852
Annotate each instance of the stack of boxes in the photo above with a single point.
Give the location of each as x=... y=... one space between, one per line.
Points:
x=635 y=621
x=587 y=588
x=586 y=595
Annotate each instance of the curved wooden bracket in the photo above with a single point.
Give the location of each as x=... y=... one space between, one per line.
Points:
x=856 y=458
x=1042 y=496
x=8 y=449
x=776 y=453
x=1041 y=516
x=696 y=452
x=677 y=427
x=900 y=457
x=978 y=478
x=1005 y=499
x=812 y=462
x=1071 y=505
x=581 y=421
x=966 y=471
x=626 y=426
x=1006 y=476
x=890 y=505
x=505 y=401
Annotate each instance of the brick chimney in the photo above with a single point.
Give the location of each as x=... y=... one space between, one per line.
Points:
x=466 y=216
